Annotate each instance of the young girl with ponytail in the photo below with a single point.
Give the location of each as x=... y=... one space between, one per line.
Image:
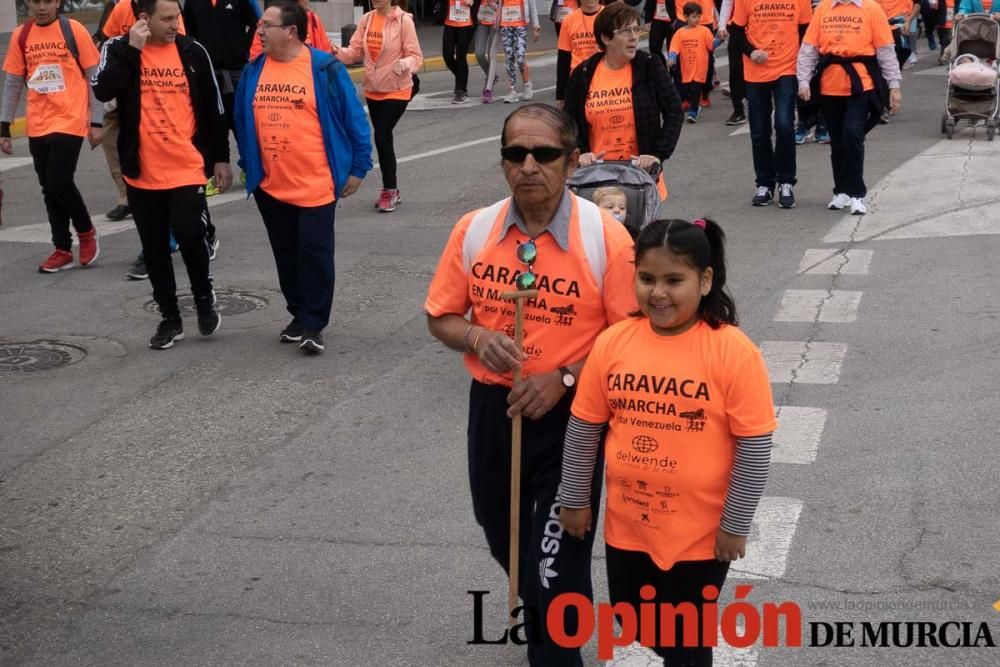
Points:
x=686 y=401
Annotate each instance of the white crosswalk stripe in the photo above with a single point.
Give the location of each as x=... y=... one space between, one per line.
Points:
x=815 y=305
x=799 y=431
x=799 y=362
x=832 y=261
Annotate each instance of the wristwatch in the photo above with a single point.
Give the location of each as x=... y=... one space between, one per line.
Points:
x=568 y=379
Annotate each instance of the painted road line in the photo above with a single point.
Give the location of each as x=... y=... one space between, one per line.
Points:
x=798 y=362
x=9 y=163
x=428 y=102
x=770 y=540
x=955 y=183
x=42 y=233
x=799 y=431
x=741 y=130
x=831 y=261
x=817 y=305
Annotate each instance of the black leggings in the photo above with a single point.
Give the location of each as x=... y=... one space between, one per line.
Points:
x=455 y=49
x=55 y=157
x=385 y=114
x=628 y=571
x=660 y=33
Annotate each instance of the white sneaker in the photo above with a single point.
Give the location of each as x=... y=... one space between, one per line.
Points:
x=839 y=202
x=528 y=90
x=511 y=98
x=858 y=206
x=911 y=61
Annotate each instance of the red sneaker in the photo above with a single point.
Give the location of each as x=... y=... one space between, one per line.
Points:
x=706 y=102
x=89 y=248
x=388 y=201
x=57 y=261
x=685 y=105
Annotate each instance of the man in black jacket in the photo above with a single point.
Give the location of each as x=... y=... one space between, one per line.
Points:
x=173 y=135
x=225 y=28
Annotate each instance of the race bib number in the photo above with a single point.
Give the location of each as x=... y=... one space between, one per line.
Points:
x=47 y=79
x=562 y=13
x=511 y=14
x=661 y=12
x=488 y=14
x=460 y=13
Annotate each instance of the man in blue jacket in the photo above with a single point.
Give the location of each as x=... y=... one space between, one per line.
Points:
x=304 y=142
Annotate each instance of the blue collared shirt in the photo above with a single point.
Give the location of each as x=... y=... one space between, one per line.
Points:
x=558 y=227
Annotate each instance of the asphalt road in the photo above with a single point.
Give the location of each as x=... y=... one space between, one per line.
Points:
x=232 y=502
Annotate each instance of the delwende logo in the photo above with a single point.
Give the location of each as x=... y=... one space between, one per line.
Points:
x=740 y=624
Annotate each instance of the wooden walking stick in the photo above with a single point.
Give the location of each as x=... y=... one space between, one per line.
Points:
x=518 y=298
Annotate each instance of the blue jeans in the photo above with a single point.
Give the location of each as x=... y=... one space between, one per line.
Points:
x=302 y=242
x=773 y=163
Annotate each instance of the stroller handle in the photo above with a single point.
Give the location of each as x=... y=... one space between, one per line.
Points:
x=654 y=172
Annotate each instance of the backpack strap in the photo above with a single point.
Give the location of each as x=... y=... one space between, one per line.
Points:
x=591 y=233
x=68 y=37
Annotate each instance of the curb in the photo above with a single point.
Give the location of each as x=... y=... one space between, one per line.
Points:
x=432 y=64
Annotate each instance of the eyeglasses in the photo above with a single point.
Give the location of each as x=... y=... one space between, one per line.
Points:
x=264 y=25
x=527 y=253
x=542 y=154
x=631 y=30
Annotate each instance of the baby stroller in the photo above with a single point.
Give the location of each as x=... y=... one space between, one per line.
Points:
x=973 y=81
x=638 y=185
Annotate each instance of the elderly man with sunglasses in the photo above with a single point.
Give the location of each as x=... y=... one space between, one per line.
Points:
x=579 y=259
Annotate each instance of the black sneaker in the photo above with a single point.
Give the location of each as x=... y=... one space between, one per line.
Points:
x=312 y=341
x=292 y=333
x=167 y=332
x=764 y=196
x=786 y=198
x=209 y=318
x=738 y=118
x=213 y=246
x=138 y=270
x=119 y=212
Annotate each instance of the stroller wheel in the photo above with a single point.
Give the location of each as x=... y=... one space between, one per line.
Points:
x=991 y=130
x=949 y=128
x=944 y=122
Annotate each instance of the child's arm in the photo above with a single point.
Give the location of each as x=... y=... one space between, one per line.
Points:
x=579 y=457
x=751 y=466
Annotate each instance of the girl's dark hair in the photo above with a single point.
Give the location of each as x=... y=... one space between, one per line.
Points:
x=701 y=248
x=691 y=8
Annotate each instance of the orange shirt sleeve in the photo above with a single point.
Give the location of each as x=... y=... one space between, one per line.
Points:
x=739 y=16
x=709 y=41
x=619 y=278
x=881 y=32
x=115 y=25
x=591 y=401
x=565 y=40
x=320 y=40
x=14 y=62
x=675 y=43
x=89 y=56
x=805 y=12
x=449 y=289
x=748 y=397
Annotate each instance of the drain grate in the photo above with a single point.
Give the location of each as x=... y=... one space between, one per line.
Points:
x=229 y=303
x=38 y=355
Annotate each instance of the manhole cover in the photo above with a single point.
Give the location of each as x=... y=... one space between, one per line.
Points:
x=38 y=355
x=230 y=303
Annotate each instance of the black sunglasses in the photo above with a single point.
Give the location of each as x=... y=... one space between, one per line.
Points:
x=542 y=154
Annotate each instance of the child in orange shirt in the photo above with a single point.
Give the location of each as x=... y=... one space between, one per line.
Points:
x=686 y=401
x=690 y=48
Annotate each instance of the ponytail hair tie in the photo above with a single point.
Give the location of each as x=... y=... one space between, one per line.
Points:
x=700 y=222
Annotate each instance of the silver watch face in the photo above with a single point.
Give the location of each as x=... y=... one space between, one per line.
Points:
x=569 y=379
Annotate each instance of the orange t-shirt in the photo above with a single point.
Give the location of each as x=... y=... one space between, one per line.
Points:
x=577 y=36
x=847 y=30
x=692 y=46
x=609 y=113
x=512 y=14
x=167 y=154
x=316 y=36
x=374 y=38
x=122 y=18
x=459 y=14
x=564 y=8
x=772 y=25
x=296 y=169
x=560 y=326
x=894 y=8
x=58 y=95
x=707 y=10
x=675 y=406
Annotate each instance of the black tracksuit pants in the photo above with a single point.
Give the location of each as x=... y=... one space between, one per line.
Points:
x=55 y=156
x=551 y=562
